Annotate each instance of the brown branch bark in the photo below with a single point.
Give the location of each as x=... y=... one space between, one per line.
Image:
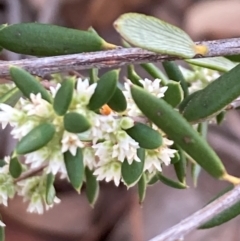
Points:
x=111 y=58
x=179 y=231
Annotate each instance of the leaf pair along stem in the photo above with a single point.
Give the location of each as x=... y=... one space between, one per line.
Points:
x=112 y=58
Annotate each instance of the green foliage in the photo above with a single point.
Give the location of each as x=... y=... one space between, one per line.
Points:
x=75 y=168
x=15 y=167
x=49 y=40
x=36 y=138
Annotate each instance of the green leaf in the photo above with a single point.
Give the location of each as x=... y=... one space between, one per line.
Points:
x=75 y=122
x=234 y=58
x=180 y=166
x=153 y=34
x=131 y=173
x=49 y=40
x=50 y=190
x=211 y=100
x=173 y=94
x=224 y=216
x=195 y=171
x=75 y=168
x=155 y=72
x=133 y=76
x=145 y=136
x=178 y=130
x=64 y=96
x=154 y=179
x=105 y=89
x=15 y=167
x=216 y=63
x=171 y=183
x=93 y=75
x=28 y=83
x=176 y=158
x=118 y=101
x=92 y=187
x=174 y=73
x=36 y=138
x=220 y=117
x=142 y=188
x=11 y=97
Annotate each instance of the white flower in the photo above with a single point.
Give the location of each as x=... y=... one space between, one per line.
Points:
x=22 y=130
x=103 y=126
x=54 y=89
x=132 y=109
x=70 y=142
x=154 y=87
x=126 y=148
x=89 y=158
x=103 y=151
x=7 y=188
x=2 y=224
x=126 y=123
x=109 y=171
x=9 y=115
x=84 y=91
x=155 y=158
x=38 y=106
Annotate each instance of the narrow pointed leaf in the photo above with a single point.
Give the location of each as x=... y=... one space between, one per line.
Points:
x=154 y=179
x=11 y=97
x=133 y=76
x=178 y=130
x=142 y=188
x=170 y=182
x=211 y=100
x=92 y=187
x=174 y=73
x=50 y=190
x=49 y=40
x=224 y=216
x=15 y=167
x=174 y=93
x=145 y=136
x=118 y=101
x=153 y=34
x=75 y=122
x=36 y=138
x=64 y=96
x=195 y=171
x=216 y=63
x=131 y=173
x=93 y=75
x=105 y=89
x=28 y=83
x=155 y=72
x=180 y=166
x=75 y=168
x=220 y=117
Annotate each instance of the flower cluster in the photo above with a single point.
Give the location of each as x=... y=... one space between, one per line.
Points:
x=105 y=145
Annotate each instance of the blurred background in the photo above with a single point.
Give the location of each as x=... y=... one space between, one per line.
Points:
x=117 y=215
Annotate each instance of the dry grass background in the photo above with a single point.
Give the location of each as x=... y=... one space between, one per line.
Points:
x=117 y=215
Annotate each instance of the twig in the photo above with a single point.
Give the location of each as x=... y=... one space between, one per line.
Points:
x=111 y=58
x=30 y=173
x=179 y=231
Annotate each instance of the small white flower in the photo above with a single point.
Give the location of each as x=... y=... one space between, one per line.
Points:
x=109 y=171
x=154 y=87
x=84 y=91
x=103 y=126
x=19 y=131
x=10 y=115
x=126 y=148
x=54 y=89
x=126 y=123
x=155 y=158
x=2 y=224
x=38 y=106
x=7 y=188
x=70 y=142
x=89 y=158
x=103 y=151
